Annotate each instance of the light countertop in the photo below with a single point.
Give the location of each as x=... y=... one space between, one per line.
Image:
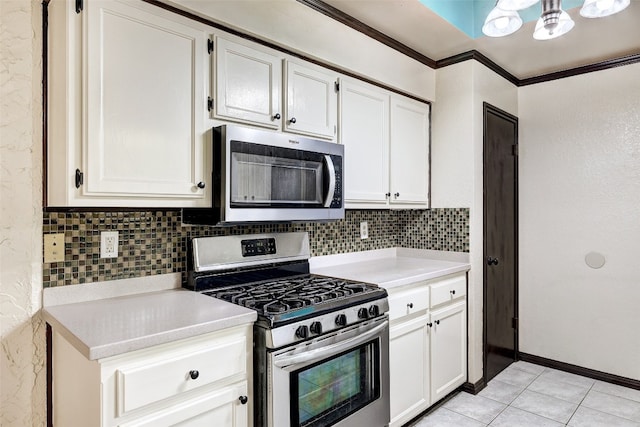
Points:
x=107 y=327
x=393 y=267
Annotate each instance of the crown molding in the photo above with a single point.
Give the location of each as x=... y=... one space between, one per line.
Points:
x=475 y=55
x=350 y=21
x=590 y=68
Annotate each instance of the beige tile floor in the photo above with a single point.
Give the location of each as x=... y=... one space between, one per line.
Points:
x=525 y=395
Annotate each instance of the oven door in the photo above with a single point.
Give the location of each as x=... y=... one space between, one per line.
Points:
x=341 y=379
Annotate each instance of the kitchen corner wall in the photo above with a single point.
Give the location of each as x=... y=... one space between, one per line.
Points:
x=155 y=242
x=580 y=193
x=22 y=347
x=457 y=171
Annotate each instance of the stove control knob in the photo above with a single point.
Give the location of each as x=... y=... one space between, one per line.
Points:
x=302 y=331
x=316 y=328
x=363 y=313
x=341 y=320
x=374 y=311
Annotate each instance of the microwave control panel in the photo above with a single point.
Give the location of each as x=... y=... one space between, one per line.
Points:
x=337 y=195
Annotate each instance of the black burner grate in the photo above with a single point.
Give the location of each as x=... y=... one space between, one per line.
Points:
x=285 y=295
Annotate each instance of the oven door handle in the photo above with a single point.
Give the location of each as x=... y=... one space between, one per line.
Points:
x=321 y=353
x=332 y=181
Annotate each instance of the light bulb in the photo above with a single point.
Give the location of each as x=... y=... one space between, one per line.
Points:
x=604 y=4
x=501 y=23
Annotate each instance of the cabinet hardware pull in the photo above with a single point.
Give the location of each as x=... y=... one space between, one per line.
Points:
x=387 y=194
x=243 y=399
x=453 y=292
x=201 y=185
x=430 y=324
x=292 y=120
x=492 y=261
x=437 y=322
x=410 y=305
x=397 y=195
x=276 y=116
x=194 y=374
x=79 y=178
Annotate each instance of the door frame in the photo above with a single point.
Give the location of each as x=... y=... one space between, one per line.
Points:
x=488 y=108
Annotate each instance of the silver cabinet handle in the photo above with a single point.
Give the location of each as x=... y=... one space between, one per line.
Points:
x=321 y=353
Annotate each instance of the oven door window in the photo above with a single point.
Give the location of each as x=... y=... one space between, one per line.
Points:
x=326 y=392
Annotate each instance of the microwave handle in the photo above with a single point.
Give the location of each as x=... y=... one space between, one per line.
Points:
x=332 y=180
x=321 y=353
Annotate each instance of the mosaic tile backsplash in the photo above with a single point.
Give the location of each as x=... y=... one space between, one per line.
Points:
x=155 y=242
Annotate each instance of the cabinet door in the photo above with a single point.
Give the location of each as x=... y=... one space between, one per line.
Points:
x=144 y=110
x=409 y=174
x=248 y=84
x=408 y=369
x=312 y=101
x=364 y=132
x=219 y=408
x=448 y=349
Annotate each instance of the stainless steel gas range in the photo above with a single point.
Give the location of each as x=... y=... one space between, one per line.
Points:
x=321 y=344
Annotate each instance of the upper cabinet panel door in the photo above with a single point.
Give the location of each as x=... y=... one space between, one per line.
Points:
x=248 y=85
x=364 y=132
x=144 y=105
x=312 y=101
x=409 y=176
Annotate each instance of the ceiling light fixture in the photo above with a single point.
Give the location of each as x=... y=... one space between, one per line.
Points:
x=554 y=22
x=500 y=23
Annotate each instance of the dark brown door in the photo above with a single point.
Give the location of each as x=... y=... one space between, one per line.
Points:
x=500 y=240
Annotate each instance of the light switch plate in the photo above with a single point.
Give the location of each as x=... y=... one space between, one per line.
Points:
x=54 y=248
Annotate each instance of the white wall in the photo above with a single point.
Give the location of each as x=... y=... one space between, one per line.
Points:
x=297 y=27
x=457 y=170
x=22 y=378
x=580 y=192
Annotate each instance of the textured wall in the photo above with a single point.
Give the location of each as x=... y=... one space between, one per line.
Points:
x=155 y=242
x=457 y=167
x=22 y=379
x=580 y=192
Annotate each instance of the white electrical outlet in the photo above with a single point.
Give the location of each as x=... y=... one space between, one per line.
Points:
x=364 y=230
x=109 y=244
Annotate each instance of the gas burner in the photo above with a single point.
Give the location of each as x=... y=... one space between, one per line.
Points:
x=276 y=297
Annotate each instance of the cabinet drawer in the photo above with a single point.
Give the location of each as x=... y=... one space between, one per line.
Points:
x=139 y=385
x=408 y=302
x=220 y=408
x=449 y=289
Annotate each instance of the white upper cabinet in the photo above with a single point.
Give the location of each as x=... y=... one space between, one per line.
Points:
x=364 y=132
x=252 y=88
x=311 y=100
x=248 y=84
x=127 y=107
x=409 y=152
x=386 y=142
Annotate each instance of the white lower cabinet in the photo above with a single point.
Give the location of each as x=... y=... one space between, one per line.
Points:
x=409 y=361
x=427 y=344
x=448 y=349
x=199 y=381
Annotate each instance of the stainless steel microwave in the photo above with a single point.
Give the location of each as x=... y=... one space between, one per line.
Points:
x=264 y=176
